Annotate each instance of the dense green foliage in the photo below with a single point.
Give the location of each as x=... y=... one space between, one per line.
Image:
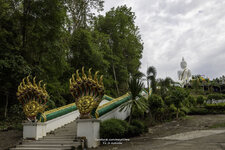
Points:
x=124 y=42
x=216 y=96
x=156 y=105
x=137 y=101
x=216 y=108
x=177 y=96
x=115 y=128
x=208 y=109
x=200 y=100
x=51 y=39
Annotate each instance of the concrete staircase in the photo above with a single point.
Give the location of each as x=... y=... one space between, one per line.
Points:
x=63 y=138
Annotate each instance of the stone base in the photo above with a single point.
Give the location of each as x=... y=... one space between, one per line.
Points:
x=34 y=130
x=89 y=128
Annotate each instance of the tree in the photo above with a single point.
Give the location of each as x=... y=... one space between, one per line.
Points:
x=200 y=100
x=81 y=12
x=195 y=84
x=156 y=105
x=164 y=85
x=125 y=42
x=137 y=101
x=177 y=96
x=139 y=75
x=12 y=65
x=151 y=75
x=32 y=37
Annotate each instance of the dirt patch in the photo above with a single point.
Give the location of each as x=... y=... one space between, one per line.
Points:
x=10 y=138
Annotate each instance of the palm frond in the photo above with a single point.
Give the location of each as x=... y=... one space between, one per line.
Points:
x=151 y=70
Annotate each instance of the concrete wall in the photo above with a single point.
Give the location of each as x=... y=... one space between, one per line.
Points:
x=116 y=113
x=215 y=101
x=53 y=124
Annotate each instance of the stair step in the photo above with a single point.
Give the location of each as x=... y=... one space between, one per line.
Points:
x=45 y=146
x=38 y=148
x=62 y=133
x=53 y=142
x=48 y=143
x=63 y=138
x=48 y=146
x=59 y=137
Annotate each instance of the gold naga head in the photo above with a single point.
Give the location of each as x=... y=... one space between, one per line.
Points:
x=87 y=91
x=33 y=97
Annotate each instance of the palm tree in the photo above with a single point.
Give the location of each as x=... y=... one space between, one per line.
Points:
x=137 y=101
x=151 y=75
x=139 y=75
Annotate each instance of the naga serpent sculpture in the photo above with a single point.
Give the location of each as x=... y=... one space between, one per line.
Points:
x=87 y=92
x=33 y=98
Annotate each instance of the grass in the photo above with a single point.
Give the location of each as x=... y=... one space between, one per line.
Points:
x=218 y=125
x=186 y=117
x=11 y=125
x=12 y=122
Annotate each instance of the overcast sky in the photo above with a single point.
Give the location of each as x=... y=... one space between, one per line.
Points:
x=172 y=29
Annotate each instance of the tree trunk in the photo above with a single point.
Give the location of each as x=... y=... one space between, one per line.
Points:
x=148 y=86
x=6 y=105
x=130 y=117
x=114 y=74
x=24 y=25
x=177 y=115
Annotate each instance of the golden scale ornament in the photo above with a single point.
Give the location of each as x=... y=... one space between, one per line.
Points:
x=88 y=92
x=33 y=98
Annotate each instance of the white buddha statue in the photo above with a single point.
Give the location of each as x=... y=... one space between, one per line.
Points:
x=184 y=74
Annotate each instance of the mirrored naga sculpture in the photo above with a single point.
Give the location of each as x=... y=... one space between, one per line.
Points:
x=33 y=98
x=88 y=93
x=184 y=74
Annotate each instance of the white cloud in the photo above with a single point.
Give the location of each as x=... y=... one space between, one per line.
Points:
x=172 y=29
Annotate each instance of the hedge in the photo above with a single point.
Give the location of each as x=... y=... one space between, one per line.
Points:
x=115 y=128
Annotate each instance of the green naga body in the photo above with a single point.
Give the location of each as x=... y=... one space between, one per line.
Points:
x=87 y=92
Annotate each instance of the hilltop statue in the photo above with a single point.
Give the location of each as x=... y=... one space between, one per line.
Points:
x=184 y=74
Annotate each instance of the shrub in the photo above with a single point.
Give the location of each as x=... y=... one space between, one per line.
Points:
x=200 y=100
x=177 y=97
x=133 y=131
x=139 y=124
x=136 y=128
x=198 y=111
x=167 y=101
x=216 y=108
x=155 y=103
x=137 y=113
x=185 y=110
x=113 y=128
x=215 y=96
x=191 y=100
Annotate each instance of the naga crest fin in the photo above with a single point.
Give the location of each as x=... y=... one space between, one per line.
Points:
x=96 y=77
x=78 y=77
x=89 y=74
x=84 y=77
